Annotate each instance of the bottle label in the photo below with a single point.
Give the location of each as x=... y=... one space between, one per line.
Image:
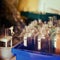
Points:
x=25 y=41
x=39 y=44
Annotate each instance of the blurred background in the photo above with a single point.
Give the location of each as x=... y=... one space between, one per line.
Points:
x=21 y=17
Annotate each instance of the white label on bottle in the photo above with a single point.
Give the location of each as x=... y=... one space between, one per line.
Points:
x=55 y=44
x=39 y=44
x=25 y=41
